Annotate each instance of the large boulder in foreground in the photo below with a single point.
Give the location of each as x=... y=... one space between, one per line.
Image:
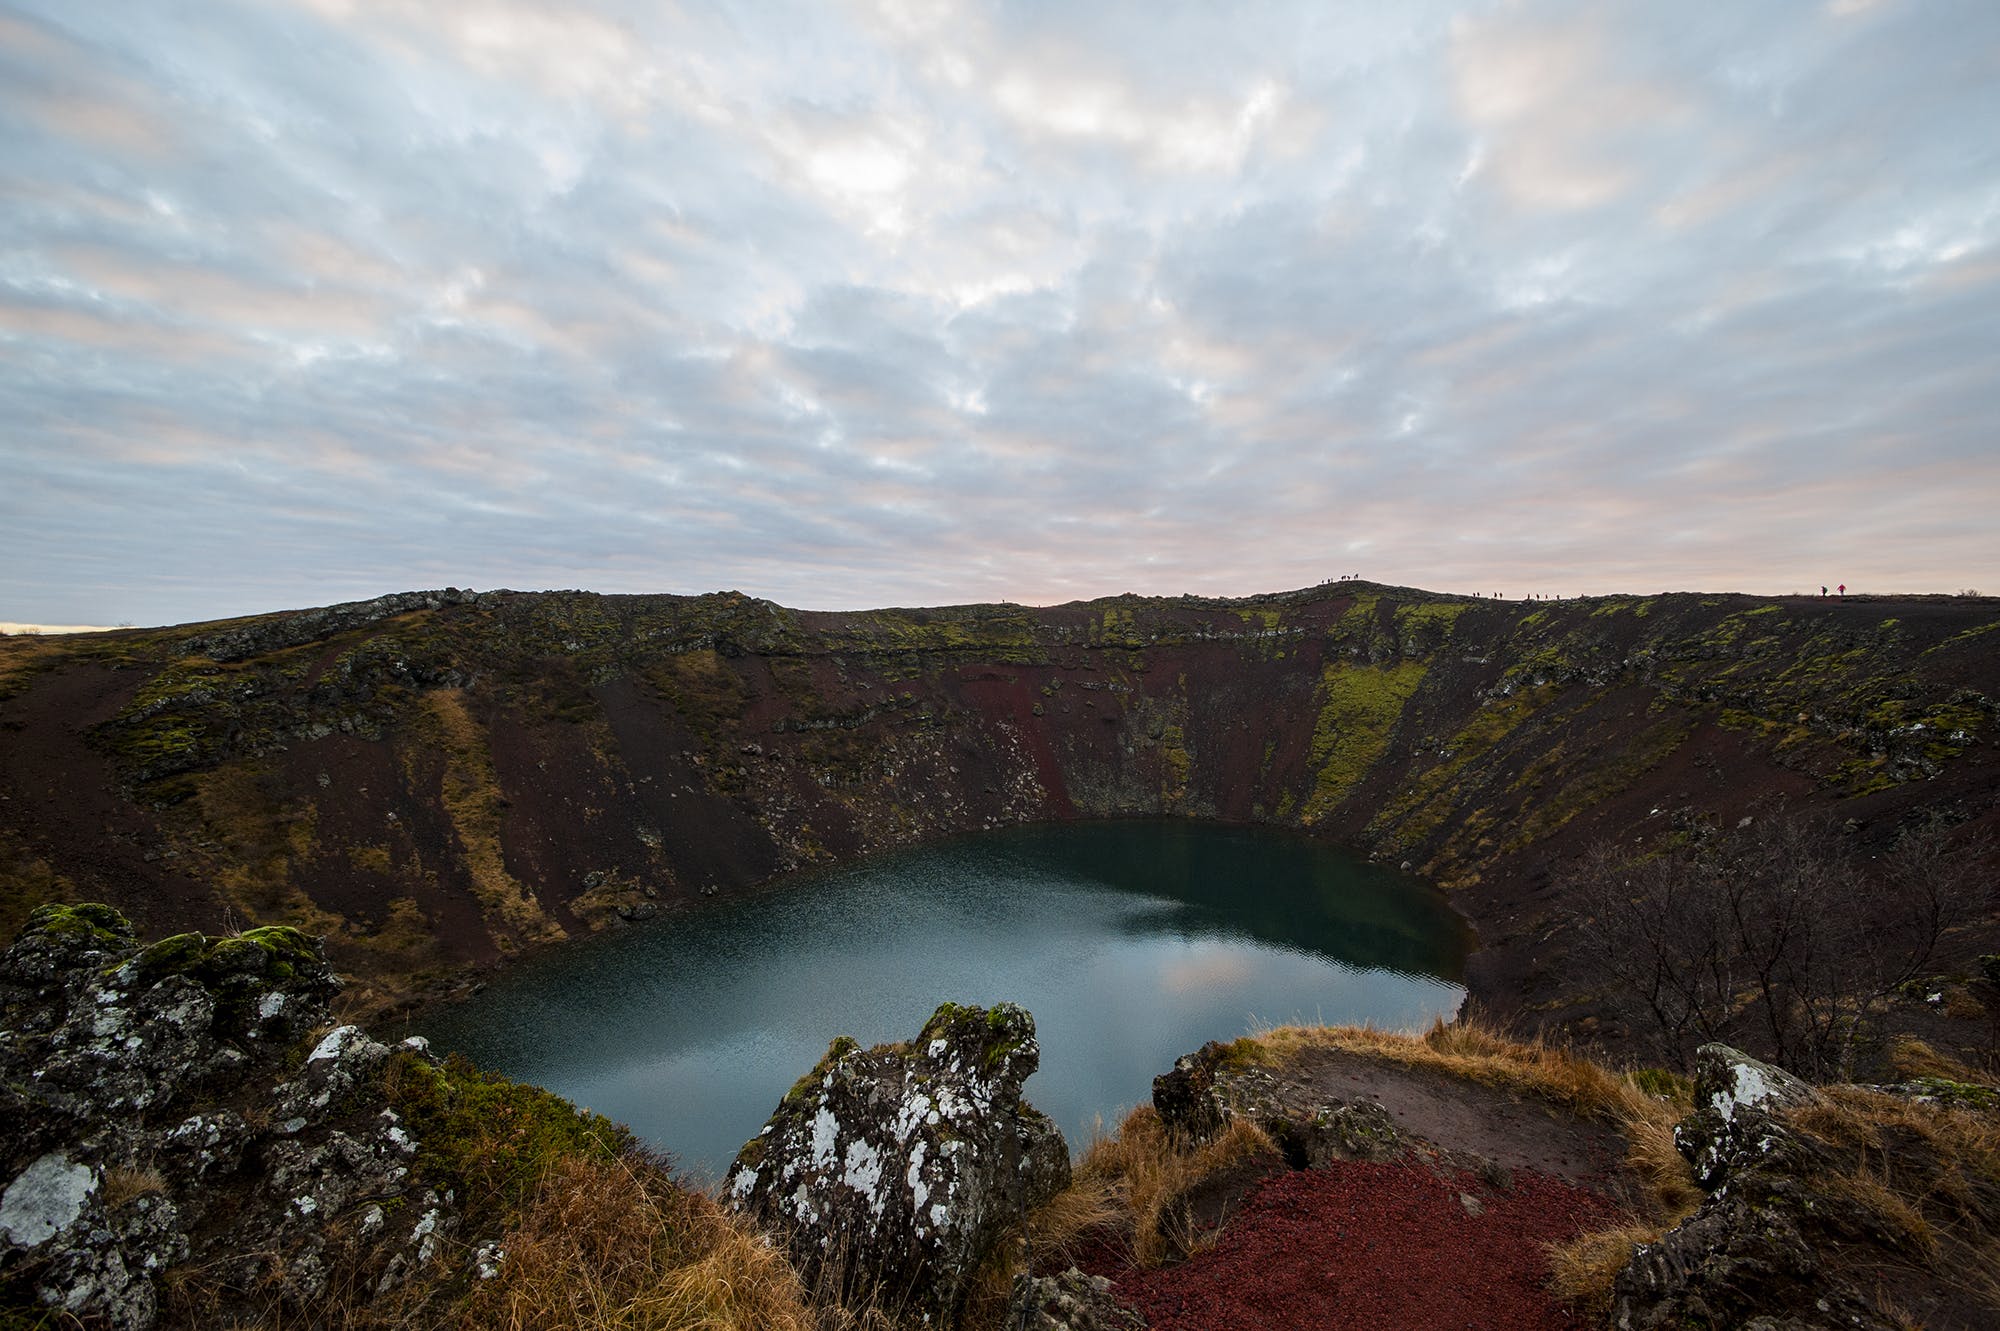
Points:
x=172 y=1121
x=1790 y=1234
x=893 y=1171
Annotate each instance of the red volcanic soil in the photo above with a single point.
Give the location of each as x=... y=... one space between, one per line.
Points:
x=1376 y=1247
x=1452 y=1234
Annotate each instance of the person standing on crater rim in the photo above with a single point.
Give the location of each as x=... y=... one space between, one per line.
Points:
x=1822 y=591
x=1843 y=591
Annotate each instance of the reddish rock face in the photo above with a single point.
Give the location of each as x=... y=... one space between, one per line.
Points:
x=455 y=778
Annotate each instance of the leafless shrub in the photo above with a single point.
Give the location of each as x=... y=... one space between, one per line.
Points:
x=1778 y=938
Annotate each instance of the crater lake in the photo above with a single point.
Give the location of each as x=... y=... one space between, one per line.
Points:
x=1131 y=942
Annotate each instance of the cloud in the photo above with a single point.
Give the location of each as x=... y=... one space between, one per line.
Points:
x=901 y=302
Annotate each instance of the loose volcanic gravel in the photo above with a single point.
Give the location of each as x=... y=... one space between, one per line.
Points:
x=1380 y=1247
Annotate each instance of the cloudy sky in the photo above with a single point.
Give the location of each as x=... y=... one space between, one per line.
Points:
x=900 y=303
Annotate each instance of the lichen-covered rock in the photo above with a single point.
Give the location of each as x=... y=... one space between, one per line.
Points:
x=1071 y=1301
x=893 y=1171
x=158 y=1109
x=1735 y=1097
x=1754 y=1253
x=1944 y=1093
x=1338 y=1130
x=1743 y=1253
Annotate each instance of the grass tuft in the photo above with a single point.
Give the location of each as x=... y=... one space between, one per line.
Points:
x=123 y=1184
x=1583 y=1269
x=1143 y=1171
x=614 y=1245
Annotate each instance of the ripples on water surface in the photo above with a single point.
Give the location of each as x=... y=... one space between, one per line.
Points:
x=1131 y=942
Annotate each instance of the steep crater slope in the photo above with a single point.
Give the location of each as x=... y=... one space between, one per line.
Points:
x=446 y=778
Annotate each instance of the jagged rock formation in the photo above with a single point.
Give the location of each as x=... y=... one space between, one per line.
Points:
x=174 y=1106
x=1737 y=1100
x=894 y=1171
x=273 y=633
x=1800 y=1230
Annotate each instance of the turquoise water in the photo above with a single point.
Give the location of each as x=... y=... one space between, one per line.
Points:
x=1131 y=942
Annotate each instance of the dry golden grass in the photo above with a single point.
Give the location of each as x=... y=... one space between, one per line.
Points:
x=1121 y=1193
x=1925 y=1175
x=1142 y=1172
x=470 y=792
x=1963 y=1139
x=1894 y=1212
x=1918 y=1172
x=1091 y=1208
x=1055 y=1235
x=123 y=1184
x=1582 y=1270
x=1910 y=1057
x=607 y=1246
x=1956 y=1163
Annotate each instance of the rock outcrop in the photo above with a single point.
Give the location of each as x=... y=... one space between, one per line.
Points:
x=1798 y=1230
x=176 y=1106
x=1202 y=1095
x=1734 y=1124
x=1068 y=1301
x=278 y=632
x=893 y=1171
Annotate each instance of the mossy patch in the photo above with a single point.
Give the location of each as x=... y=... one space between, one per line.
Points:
x=89 y=922
x=1359 y=707
x=489 y=1139
x=1592 y=780
x=1442 y=614
x=22 y=658
x=1266 y=617
x=275 y=952
x=1425 y=801
x=1968 y=635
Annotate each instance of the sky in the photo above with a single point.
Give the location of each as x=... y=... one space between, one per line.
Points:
x=884 y=303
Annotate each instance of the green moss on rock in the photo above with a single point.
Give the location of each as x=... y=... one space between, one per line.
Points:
x=88 y=922
x=275 y=953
